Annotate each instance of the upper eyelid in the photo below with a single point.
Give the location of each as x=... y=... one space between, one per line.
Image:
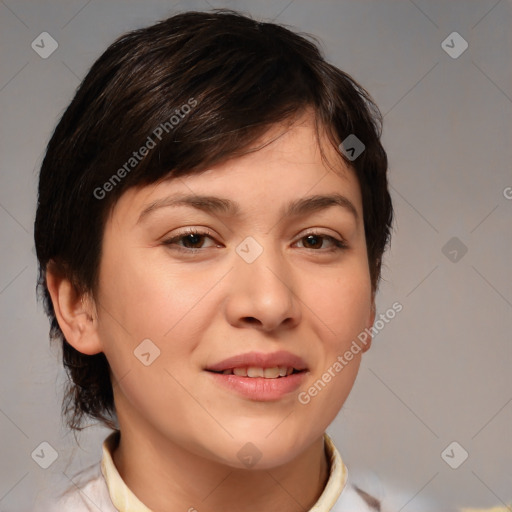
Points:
x=206 y=231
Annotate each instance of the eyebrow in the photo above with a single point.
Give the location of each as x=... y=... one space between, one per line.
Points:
x=212 y=205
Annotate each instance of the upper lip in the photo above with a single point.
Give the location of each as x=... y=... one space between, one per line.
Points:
x=260 y=360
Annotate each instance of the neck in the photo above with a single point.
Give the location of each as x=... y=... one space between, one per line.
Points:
x=165 y=476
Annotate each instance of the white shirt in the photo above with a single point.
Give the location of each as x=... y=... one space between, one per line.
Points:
x=101 y=488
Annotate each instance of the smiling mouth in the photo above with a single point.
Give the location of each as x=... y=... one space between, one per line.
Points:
x=275 y=372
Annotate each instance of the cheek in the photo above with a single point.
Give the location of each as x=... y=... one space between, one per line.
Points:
x=341 y=309
x=149 y=297
x=146 y=298
x=340 y=306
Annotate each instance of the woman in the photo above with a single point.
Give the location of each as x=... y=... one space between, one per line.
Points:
x=213 y=210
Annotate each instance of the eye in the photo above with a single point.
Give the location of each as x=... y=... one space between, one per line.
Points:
x=315 y=241
x=192 y=238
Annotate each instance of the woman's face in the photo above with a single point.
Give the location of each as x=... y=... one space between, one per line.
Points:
x=253 y=288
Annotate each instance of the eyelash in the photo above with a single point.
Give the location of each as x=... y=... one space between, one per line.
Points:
x=339 y=245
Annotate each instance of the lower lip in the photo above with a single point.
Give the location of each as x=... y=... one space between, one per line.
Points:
x=259 y=388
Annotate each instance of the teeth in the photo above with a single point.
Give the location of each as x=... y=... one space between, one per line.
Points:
x=254 y=371
x=271 y=373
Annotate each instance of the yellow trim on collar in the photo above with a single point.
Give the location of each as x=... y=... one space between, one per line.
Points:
x=120 y=494
x=337 y=479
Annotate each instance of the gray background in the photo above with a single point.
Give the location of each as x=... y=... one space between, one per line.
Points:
x=441 y=370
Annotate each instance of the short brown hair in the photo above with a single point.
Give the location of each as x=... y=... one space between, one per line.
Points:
x=237 y=77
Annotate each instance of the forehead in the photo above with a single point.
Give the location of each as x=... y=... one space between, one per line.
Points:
x=286 y=163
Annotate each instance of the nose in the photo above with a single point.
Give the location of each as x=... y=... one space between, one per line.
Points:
x=261 y=293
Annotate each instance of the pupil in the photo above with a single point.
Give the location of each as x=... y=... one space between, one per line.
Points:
x=193 y=238
x=314 y=237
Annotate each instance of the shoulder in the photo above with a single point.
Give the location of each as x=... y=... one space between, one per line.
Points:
x=353 y=499
x=86 y=491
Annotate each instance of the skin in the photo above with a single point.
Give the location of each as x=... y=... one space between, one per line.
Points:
x=181 y=432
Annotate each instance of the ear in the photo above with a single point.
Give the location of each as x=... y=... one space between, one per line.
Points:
x=75 y=313
x=371 y=320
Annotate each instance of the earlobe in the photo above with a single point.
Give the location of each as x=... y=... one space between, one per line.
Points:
x=74 y=312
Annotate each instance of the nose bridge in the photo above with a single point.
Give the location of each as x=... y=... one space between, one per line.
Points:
x=262 y=286
x=264 y=265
